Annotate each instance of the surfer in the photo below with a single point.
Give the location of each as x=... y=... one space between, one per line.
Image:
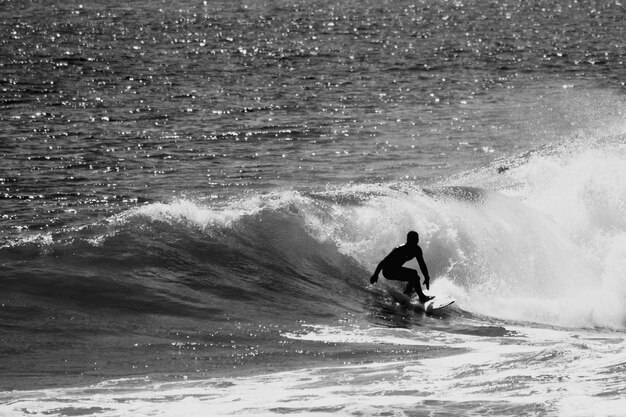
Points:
x=393 y=270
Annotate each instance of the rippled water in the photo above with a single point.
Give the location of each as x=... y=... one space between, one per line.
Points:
x=110 y=104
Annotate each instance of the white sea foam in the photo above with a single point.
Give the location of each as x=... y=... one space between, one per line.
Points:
x=549 y=250
x=537 y=372
x=330 y=334
x=189 y=212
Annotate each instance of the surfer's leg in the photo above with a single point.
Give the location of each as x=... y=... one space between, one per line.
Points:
x=411 y=277
x=414 y=285
x=423 y=297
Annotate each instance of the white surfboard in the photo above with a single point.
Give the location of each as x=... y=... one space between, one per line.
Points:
x=440 y=301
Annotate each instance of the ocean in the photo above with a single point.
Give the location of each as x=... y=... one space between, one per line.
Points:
x=194 y=195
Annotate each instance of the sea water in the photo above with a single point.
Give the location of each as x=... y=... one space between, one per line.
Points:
x=194 y=195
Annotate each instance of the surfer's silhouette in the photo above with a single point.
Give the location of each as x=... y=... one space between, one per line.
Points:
x=393 y=270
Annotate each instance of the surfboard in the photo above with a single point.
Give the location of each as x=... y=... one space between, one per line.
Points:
x=440 y=301
x=437 y=303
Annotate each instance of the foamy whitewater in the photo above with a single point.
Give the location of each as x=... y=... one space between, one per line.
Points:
x=194 y=195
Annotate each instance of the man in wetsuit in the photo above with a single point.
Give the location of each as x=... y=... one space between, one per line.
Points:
x=393 y=270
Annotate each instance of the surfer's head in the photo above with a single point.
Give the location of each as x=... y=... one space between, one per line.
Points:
x=412 y=238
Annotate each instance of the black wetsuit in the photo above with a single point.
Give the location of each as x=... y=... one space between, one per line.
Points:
x=393 y=269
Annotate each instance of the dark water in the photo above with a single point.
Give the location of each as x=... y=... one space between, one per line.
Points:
x=202 y=189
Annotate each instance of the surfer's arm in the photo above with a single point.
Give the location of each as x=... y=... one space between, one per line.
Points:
x=423 y=268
